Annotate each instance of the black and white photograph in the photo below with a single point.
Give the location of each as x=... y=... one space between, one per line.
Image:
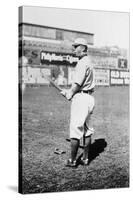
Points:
x=74 y=82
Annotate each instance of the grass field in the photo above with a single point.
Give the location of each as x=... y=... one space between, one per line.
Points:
x=46 y=126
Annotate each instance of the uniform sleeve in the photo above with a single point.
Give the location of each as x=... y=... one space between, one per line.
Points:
x=80 y=73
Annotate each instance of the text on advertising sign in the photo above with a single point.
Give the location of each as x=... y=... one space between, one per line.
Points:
x=119 y=77
x=99 y=61
x=57 y=58
x=102 y=77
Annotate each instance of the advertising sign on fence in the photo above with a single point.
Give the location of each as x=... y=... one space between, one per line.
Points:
x=122 y=63
x=71 y=72
x=102 y=77
x=58 y=58
x=104 y=62
x=119 y=77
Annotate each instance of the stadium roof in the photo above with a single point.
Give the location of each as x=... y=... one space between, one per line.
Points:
x=37 y=25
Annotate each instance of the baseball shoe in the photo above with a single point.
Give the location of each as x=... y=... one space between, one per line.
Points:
x=71 y=163
x=84 y=161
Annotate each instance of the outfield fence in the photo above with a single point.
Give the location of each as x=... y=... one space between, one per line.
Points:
x=63 y=76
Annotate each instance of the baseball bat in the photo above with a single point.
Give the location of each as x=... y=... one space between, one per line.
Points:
x=54 y=85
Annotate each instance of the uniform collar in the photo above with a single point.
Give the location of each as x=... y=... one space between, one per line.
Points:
x=80 y=57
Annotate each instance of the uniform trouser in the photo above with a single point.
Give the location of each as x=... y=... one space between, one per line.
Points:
x=81 y=109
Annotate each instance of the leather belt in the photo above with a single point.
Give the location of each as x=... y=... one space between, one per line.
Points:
x=87 y=92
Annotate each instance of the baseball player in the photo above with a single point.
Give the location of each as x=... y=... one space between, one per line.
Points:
x=82 y=103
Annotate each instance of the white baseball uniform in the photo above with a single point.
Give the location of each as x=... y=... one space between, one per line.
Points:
x=82 y=103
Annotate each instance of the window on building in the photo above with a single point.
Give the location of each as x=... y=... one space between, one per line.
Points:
x=59 y=35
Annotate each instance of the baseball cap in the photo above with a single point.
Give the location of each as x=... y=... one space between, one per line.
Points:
x=80 y=41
